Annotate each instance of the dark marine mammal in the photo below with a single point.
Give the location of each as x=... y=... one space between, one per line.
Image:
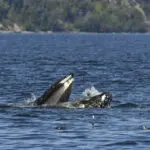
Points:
x=58 y=96
x=102 y=100
x=99 y=101
x=59 y=92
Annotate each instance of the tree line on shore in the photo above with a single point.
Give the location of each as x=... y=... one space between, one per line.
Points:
x=75 y=15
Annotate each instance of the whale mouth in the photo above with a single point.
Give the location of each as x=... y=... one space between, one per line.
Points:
x=59 y=92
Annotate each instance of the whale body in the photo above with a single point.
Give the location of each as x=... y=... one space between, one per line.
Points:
x=58 y=96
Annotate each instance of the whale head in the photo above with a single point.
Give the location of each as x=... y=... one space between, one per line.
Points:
x=102 y=100
x=59 y=92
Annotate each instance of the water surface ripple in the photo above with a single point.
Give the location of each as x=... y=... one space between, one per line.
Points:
x=119 y=63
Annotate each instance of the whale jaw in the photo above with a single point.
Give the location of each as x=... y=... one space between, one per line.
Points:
x=59 y=92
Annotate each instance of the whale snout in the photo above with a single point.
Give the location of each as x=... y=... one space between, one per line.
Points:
x=67 y=79
x=106 y=98
x=72 y=75
x=68 y=82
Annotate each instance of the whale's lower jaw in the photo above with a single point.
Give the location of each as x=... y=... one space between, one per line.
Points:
x=59 y=92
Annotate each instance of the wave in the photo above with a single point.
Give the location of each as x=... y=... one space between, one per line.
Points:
x=30 y=99
x=29 y=102
x=88 y=92
x=128 y=105
x=122 y=143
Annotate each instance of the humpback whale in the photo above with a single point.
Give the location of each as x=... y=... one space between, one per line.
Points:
x=59 y=92
x=58 y=96
x=99 y=101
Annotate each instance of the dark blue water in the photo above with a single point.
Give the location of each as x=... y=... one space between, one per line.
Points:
x=119 y=63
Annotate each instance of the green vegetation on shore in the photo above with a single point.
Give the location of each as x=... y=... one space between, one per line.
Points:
x=75 y=15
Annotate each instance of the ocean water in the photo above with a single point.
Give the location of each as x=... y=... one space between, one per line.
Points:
x=118 y=63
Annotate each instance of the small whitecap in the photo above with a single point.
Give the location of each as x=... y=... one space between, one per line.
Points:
x=30 y=99
x=90 y=92
x=93 y=117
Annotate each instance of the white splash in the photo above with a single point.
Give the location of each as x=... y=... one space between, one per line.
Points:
x=89 y=92
x=93 y=117
x=30 y=99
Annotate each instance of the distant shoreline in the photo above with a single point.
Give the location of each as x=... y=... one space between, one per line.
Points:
x=50 y=16
x=73 y=32
x=24 y=32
